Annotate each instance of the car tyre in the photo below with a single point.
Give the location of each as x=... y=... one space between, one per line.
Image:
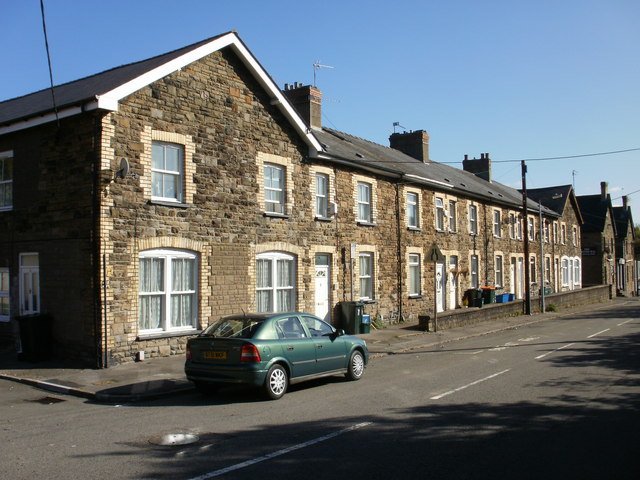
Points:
x=207 y=388
x=356 y=366
x=276 y=383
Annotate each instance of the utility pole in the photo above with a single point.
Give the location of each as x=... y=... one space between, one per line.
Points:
x=527 y=280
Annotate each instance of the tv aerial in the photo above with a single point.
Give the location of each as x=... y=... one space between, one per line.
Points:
x=317 y=66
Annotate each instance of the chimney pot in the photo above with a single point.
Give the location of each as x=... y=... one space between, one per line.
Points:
x=415 y=144
x=604 y=190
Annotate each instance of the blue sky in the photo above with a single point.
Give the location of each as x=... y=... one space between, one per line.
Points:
x=517 y=79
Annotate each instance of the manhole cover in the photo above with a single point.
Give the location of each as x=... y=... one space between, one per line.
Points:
x=174 y=439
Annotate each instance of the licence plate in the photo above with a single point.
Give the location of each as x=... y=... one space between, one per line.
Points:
x=215 y=355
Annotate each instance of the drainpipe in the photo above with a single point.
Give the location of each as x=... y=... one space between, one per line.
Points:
x=399 y=251
x=98 y=277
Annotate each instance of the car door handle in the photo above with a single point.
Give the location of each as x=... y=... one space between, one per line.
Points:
x=290 y=348
x=319 y=345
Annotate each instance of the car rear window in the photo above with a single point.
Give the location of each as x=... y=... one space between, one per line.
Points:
x=234 y=327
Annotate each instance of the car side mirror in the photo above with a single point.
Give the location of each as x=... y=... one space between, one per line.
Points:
x=339 y=333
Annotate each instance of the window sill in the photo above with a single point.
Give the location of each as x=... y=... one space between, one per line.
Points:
x=323 y=219
x=166 y=334
x=415 y=297
x=275 y=215
x=363 y=223
x=367 y=301
x=414 y=229
x=169 y=204
x=454 y=232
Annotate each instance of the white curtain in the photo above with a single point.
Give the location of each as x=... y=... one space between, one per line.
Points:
x=182 y=281
x=151 y=281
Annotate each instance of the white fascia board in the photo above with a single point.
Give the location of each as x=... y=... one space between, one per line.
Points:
x=34 y=121
x=109 y=100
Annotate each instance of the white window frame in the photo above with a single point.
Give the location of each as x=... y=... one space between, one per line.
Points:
x=168 y=256
x=366 y=276
x=6 y=180
x=5 y=299
x=322 y=195
x=176 y=175
x=497 y=223
x=519 y=227
x=577 y=272
x=29 y=284
x=563 y=234
x=474 y=271
x=473 y=220
x=275 y=193
x=512 y=226
x=413 y=210
x=439 y=203
x=453 y=221
x=531 y=228
x=532 y=269
x=365 y=202
x=415 y=272
x=575 y=236
x=499 y=266
x=273 y=289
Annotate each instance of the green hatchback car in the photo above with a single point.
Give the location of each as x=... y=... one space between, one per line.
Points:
x=272 y=351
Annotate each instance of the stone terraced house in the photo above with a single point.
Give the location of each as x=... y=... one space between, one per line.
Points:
x=165 y=193
x=626 y=274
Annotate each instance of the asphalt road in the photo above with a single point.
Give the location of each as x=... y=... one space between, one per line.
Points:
x=557 y=399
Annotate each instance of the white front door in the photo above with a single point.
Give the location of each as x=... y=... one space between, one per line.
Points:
x=29 y=283
x=520 y=275
x=440 y=292
x=512 y=276
x=453 y=282
x=323 y=276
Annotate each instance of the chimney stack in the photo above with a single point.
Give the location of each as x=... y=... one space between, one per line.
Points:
x=415 y=144
x=307 y=100
x=480 y=167
x=604 y=190
x=625 y=203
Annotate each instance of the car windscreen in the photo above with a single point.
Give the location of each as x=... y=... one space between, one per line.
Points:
x=244 y=327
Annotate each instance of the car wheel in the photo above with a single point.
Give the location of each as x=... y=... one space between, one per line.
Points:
x=356 y=366
x=276 y=383
x=207 y=388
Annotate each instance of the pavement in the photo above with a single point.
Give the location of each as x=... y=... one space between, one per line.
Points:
x=159 y=377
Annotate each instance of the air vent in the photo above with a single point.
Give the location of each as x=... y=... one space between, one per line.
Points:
x=359 y=155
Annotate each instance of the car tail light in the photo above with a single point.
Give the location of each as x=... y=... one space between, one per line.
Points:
x=188 y=352
x=249 y=353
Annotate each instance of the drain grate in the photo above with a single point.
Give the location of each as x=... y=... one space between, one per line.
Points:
x=171 y=439
x=48 y=400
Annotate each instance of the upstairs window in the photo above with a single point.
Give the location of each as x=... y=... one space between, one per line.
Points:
x=546 y=231
x=512 y=226
x=453 y=222
x=413 y=210
x=6 y=180
x=563 y=235
x=497 y=220
x=575 y=236
x=167 y=172
x=473 y=220
x=274 y=188
x=532 y=228
x=439 y=214
x=322 y=195
x=364 y=202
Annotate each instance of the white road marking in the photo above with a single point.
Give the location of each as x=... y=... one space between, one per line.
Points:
x=438 y=397
x=598 y=333
x=268 y=456
x=549 y=353
x=630 y=320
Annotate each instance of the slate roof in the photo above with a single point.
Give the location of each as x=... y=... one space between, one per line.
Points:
x=341 y=146
x=594 y=212
x=85 y=89
x=622 y=217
